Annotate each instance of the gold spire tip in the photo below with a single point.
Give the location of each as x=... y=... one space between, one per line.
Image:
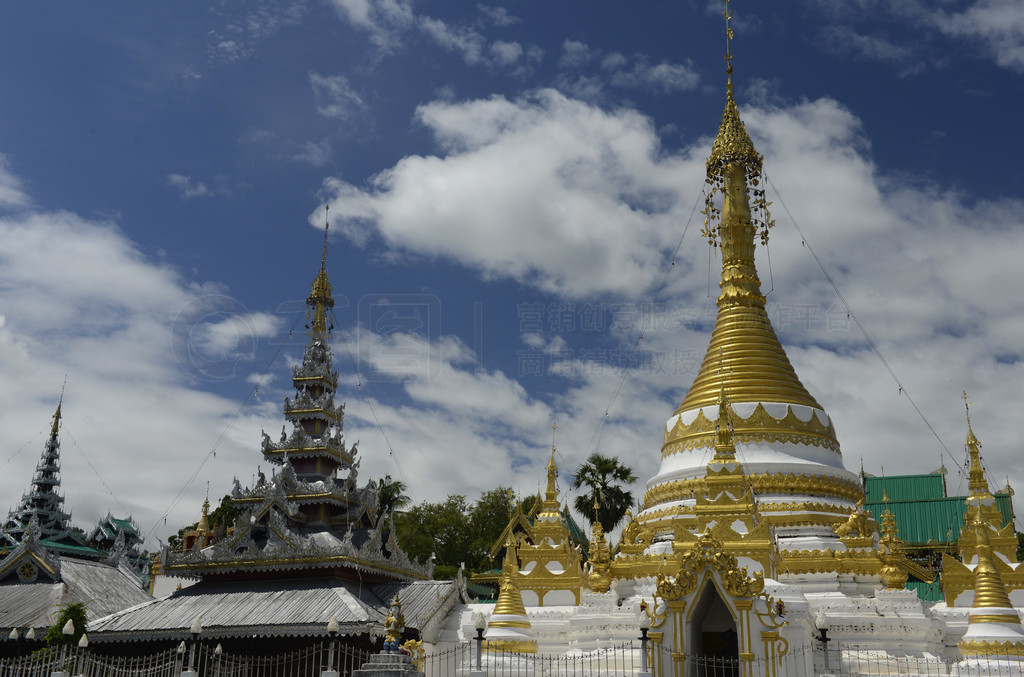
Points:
x=728 y=47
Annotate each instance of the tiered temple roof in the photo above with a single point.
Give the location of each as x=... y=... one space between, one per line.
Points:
x=311 y=517
x=44 y=503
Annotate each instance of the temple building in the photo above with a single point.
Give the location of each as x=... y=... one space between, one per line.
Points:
x=753 y=539
x=308 y=543
x=46 y=564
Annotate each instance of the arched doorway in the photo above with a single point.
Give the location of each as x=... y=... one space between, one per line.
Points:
x=713 y=643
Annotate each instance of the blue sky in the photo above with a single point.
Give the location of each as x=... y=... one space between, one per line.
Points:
x=508 y=183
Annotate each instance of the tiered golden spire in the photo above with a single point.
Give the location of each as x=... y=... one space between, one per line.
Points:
x=551 y=492
x=320 y=301
x=743 y=336
x=977 y=483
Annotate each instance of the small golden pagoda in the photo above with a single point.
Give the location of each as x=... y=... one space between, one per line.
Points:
x=508 y=629
x=202 y=535
x=994 y=627
x=980 y=514
x=550 y=573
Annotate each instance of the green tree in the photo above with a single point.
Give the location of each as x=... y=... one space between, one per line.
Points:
x=605 y=477
x=455 y=531
x=74 y=612
x=441 y=529
x=488 y=518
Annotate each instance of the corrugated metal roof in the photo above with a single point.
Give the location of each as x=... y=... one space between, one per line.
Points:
x=420 y=600
x=905 y=487
x=103 y=588
x=935 y=521
x=300 y=607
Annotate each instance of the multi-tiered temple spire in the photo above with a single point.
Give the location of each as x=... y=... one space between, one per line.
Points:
x=319 y=470
x=43 y=501
x=311 y=514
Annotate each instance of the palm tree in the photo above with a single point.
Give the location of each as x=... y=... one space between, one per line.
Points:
x=390 y=496
x=605 y=477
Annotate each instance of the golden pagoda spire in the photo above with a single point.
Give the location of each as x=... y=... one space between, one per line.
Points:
x=976 y=475
x=320 y=300
x=204 y=520
x=551 y=494
x=743 y=336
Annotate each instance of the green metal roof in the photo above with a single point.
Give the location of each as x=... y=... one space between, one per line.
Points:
x=932 y=521
x=69 y=548
x=125 y=525
x=929 y=592
x=905 y=487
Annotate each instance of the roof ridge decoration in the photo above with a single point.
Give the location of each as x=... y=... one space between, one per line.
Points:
x=286 y=549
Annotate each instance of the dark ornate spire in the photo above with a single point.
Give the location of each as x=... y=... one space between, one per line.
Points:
x=43 y=501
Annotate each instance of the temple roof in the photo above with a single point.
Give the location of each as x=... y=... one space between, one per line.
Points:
x=104 y=589
x=275 y=608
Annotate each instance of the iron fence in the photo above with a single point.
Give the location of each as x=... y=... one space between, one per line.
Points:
x=621 y=660
x=204 y=660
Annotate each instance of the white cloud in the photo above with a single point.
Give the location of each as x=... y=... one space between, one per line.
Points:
x=506 y=53
x=317 y=153
x=499 y=16
x=383 y=20
x=188 y=189
x=544 y=189
x=334 y=96
x=80 y=299
x=999 y=24
x=462 y=40
x=559 y=195
x=576 y=54
x=637 y=71
x=244 y=30
x=12 y=193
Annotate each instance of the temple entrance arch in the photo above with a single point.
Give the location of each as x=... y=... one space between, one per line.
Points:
x=713 y=640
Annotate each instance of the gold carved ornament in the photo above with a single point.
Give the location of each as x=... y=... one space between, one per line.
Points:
x=416 y=653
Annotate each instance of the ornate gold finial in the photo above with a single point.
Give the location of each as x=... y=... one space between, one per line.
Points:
x=728 y=51
x=320 y=300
